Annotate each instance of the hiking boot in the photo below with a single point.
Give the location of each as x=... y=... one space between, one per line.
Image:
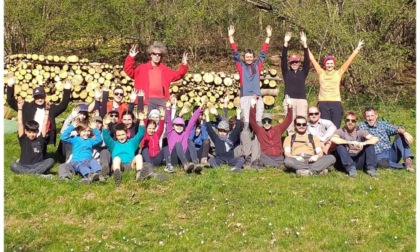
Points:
x=92 y=177
x=256 y=165
x=409 y=165
x=188 y=167
x=248 y=161
x=143 y=173
x=324 y=172
x=169 y=168
x=64 y=178
x=303 y=173
x=235 y=170
x=372 y=173
x=352 y=172
x=197 y=168
x=205 y=163
x=105 y=170
x=117 y=177
x=46 y=176
x=383 y=163
x=85 y=181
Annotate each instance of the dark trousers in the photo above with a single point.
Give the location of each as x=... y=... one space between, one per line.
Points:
x=203 y=152
x=155 y=103
x=37 y=168
x=331 y=110
x=365 y=158
x=178 y=156
x=158 y=159
x=236 y=162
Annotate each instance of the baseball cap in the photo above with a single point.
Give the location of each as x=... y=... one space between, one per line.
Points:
x=82 y=107
x=178 y=120
x=39 y=91
x=114 y=111
x=294 y=57
x=97 y=118
x=223 y=125
x=267 y=116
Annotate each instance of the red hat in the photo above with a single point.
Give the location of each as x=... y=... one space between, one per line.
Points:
x=294 y=57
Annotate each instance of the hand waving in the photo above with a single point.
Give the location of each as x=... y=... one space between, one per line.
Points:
x=133 y=51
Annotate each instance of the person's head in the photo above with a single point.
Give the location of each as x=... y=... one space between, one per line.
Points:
x=39 y=96
x=84 y=130
x=371 y=116
x=120 y=132
x=99 y=122
x=350 y=120
x=128 y=118
x=31 y=129
x=118 y=94
x=113 y=114
x=151 y=127
x=232 y=123
x=249 y=56
x=83 y=112
x=156 y=52
x=329 y=62
x=197 y=128
x=154 y=115
x=294 y=61
x=266 y=120
x=178 y=125
x=300 y=124
x=223 y=128
x=314 y=114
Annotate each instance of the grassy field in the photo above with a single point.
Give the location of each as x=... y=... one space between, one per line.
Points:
x=268 y=210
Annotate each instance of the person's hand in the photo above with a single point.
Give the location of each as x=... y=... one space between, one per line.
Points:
x=67 y=84
x=287 y=37
x=96 y=112
x=20 y=103
x=303 y=38
x=185 y=58
x=106 y=120
x=204 y=100
x=75 y=111
x=288 y=100
x=168 y=104
x=299 y=158
x=408 y=137
x=213 y=111
x=133 y=51
x=313 y=158
x=105 y=87
x=173 y=99
x=47 y=105
x=207 y=112
x=75 y=122
x=238 y=112
x=269 y=30
x=185 y=109
x=141 y=115
x=98 y=94
x=140 y=92
x=226 y=99
x=10 y=79
x=253 y=102
x=360 y=45
x=92 y=124
x=146 y=109
x=133 y=95
x=231 y=30
x=162 y=112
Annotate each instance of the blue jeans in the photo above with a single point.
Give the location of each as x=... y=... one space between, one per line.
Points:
x=86 y=166
x=365 y=158
x=399 y=149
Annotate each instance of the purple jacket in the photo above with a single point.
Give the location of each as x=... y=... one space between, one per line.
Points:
x=173 y=136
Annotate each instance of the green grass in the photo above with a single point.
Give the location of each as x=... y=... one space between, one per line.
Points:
x=254 y=211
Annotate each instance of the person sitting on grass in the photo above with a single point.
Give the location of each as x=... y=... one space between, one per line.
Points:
x=354 y=147
x=322 y=128
x=123 y=151
x=303 y=152
x=270 y=137
x=31 y=158
x=223 y=142
x=82 y=148
x=200 y=140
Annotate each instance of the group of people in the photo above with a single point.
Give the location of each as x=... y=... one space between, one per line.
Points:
x=108 y=136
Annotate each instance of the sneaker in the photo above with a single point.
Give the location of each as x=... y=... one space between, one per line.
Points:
x=303 y=173
x=197 y=168
x=117 y=177
x=159 y=176
x=372 y=173
x=409 y=165
x=63 y=178
x=92 y=177
x=102 y=178
x=235 y=170
x=84 y=181
x=324 y=172
x=205 y=163
x=143 y=173
x=169 y=168
x=105 y=170
x=188 y=167
x=46 y=176
x=352 y=172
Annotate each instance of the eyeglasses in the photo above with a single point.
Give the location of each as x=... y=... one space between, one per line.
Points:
x=301 y=124
x=156 y=54
x=351 y=120
x=266 y=121
x=311 y=114
x=118 y=94
x=113 y=115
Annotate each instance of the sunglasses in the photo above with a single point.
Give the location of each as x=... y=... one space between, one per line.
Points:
x=311 y=114
x=156 y=54
x=351 y=120
x=266 y=121
x=113 y=115
x=301 y=124
x=118 y=94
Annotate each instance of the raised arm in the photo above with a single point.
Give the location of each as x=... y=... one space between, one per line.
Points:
x=306 y=60
x=46 y=118
x=346 y=64
x=284 y=63
x=315 y=63
x=130 y=61
x=21 y=129
x=11 y=100
x=56 y=110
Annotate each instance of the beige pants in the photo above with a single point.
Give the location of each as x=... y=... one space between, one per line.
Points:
x=300 y=107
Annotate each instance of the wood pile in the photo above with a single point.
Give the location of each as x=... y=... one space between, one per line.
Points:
x=33 y=70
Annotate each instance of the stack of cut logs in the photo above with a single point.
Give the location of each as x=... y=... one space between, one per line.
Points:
x=32 y=70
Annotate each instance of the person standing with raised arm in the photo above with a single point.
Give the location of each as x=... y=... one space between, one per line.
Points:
x=249 y=75
x=154 y=77
x=294 y=78
x=329 y=98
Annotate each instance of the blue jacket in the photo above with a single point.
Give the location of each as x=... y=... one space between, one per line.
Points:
x=81 y=148
x=198 y=140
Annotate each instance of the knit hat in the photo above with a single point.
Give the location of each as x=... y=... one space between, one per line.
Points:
x=223 y=125
x=178 y=120
x=154 y=112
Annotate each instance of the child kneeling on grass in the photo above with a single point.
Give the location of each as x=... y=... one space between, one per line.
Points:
x=31 y=158
x=82 y=148
x=223 y=142
x=123 y=151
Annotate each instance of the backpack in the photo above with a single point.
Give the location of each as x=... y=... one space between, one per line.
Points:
x=311 y=140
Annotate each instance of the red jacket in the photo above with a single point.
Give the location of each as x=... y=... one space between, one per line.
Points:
x=270 y=140
x=140 y=74
x=152 y=142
